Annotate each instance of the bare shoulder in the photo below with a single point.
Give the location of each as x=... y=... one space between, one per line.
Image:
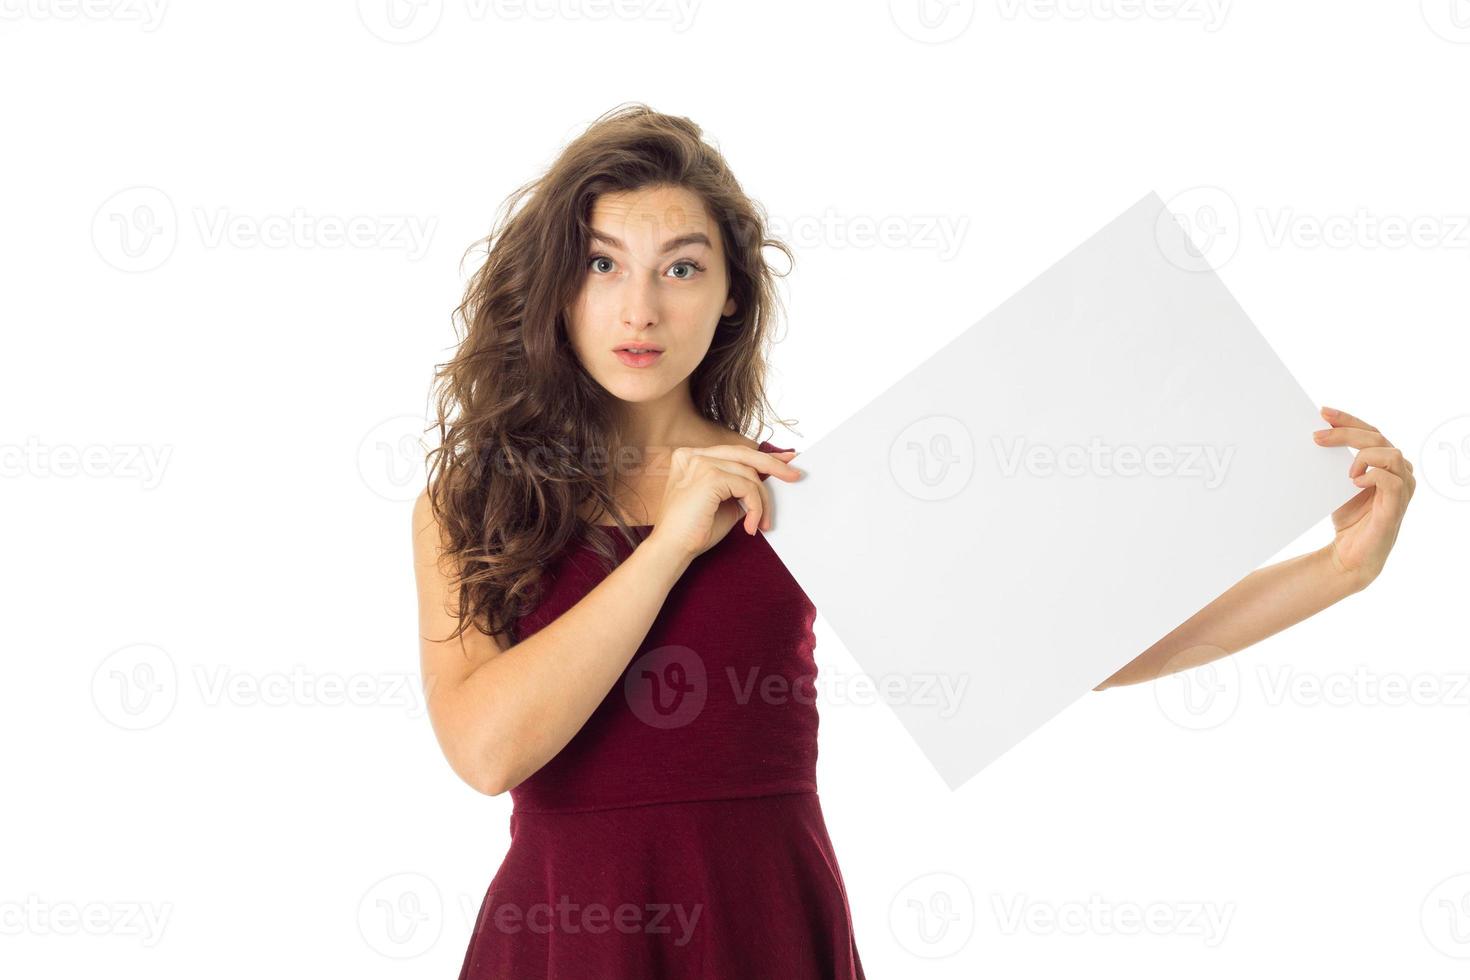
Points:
x=434 y=576
x=446 y=661
x=438 y=602
x=427 y=535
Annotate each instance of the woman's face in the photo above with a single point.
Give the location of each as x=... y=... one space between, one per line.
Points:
x=654 y=277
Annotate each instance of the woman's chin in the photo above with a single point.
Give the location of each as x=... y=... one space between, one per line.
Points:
x=636 y=390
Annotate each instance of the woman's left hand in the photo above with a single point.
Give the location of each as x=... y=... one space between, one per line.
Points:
x=1368 y=524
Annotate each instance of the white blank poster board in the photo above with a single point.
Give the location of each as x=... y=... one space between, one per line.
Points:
x=1055 y=490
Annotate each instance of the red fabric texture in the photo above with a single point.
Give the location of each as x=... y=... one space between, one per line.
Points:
x=679 y=833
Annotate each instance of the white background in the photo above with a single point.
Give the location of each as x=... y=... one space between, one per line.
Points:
x=180 y=632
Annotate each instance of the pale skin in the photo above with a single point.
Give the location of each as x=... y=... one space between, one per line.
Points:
x=500 y=711
x=1272 y=598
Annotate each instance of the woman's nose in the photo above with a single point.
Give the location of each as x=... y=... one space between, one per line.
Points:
x=639 y=299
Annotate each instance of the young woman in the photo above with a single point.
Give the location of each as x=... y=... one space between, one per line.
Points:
x=598 y=639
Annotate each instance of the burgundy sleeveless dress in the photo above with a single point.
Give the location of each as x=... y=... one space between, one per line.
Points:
x=679 y=834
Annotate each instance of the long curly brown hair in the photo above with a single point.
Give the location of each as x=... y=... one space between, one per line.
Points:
x=526 y=434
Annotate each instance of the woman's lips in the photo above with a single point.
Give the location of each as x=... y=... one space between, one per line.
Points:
x=638 y=360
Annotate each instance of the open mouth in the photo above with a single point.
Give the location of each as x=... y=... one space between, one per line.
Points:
x=634 y=356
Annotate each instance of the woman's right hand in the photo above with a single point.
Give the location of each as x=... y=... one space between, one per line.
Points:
x=705 y=488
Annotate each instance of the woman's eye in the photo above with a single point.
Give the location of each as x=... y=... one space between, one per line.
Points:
x=691 y=266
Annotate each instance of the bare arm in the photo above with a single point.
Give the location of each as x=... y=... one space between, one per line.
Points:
x=1272 y=598
x=501 y=713
x=1266 y=601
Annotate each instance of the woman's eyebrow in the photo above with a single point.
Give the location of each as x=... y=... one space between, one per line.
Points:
x=693 y=238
